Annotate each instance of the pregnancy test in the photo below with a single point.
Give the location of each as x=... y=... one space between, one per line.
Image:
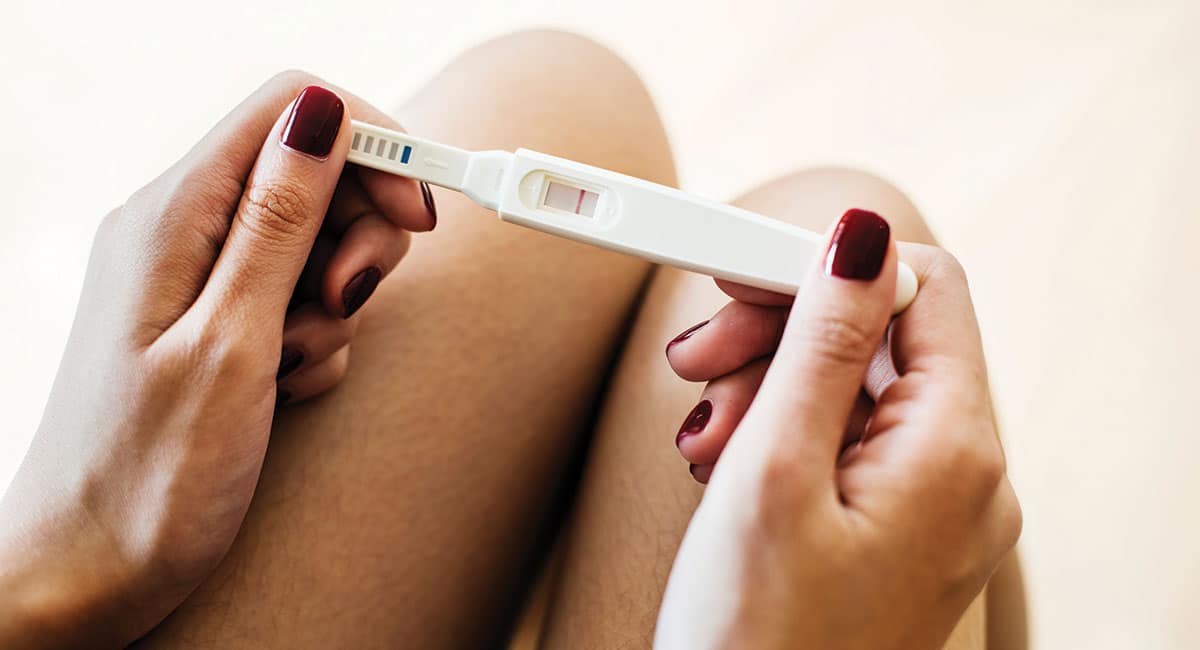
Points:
x=611 y=210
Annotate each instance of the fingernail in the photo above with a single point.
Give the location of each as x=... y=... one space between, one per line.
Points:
x=289 y=360
x=696 y=421
x=427 y=194
x=282 y=397
x=859 y=244
x=683 y=336
x=359 y=289
x=314 y=123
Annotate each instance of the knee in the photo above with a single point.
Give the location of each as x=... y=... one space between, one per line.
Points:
x=814 y=197
x=569 y=95
x=567 y=67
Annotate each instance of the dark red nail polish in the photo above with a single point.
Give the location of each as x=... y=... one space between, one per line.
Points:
x=696 y=421
x=683 y=336
x=282 y=397
x=314 y=123
x=289 y=360
x=427 y=194
x=858 y=246
x=359 y=289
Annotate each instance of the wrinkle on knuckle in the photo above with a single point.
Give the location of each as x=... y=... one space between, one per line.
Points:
x=837 y=339
x=275 y=210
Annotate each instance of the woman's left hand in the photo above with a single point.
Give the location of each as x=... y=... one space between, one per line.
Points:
x=225 y=287
x=857 y=491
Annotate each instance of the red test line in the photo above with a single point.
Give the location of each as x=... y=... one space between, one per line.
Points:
x=579 y=203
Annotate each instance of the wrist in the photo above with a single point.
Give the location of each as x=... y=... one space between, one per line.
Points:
x=61 y=582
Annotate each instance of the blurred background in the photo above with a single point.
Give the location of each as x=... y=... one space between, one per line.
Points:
x=1053 y=145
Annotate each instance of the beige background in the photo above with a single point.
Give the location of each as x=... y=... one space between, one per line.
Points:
x=1053 y=145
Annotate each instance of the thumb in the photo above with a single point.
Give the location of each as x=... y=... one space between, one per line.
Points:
x=835 y=327
x=280 y=212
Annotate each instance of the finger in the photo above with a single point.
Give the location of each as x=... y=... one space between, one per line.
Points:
x=702 y=473
x=735 y=336
x=942 y=334
x=312 y=278
x=371 y=246
x=833 y=331
x=405 y=202
x=933 y=426
x=314 y=380
x=310 y=336
x=754 y=295
x=709 y=425
x=226 y=155
x=369 y=251
x=281 y=211
x=409 y=205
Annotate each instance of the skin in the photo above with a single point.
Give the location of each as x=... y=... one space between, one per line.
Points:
x=911 y=499
x=468 y=461
x=150 y=448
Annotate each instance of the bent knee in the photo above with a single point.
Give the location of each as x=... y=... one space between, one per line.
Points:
x=568 y=95
x=813 y=198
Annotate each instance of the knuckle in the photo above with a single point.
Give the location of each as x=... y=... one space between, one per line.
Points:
x=275 y=210
x=226 y=360
x=840 y=340
x=291 y=79
x=947 y=265
x=987 y=461
x=1012 y=519
x=110 y=224
x=340 y=367
x=977 y=461
x=782 y=489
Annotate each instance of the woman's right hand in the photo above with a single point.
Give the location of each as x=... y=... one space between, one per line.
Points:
x=857 y=495
x=228 y=285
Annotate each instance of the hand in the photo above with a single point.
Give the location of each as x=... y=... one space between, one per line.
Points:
x=245 y=261
x=858 y=496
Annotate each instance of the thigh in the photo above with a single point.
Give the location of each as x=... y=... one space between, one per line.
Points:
x=637 y=495
x=403 y=508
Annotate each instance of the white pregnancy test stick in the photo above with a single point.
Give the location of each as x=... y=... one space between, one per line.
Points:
x=611 y=210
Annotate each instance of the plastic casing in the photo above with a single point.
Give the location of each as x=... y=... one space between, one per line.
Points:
x=669 y=226
x=633 y=216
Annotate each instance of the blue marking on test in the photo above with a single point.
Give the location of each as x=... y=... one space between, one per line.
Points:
x=404 y=156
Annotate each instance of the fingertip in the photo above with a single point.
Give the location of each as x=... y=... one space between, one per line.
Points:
x=404 y=201
x=315 y=120
x=701 y=473
x=753 y=295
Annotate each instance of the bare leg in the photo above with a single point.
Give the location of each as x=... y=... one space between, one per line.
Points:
x=637 y=496
x=406 y=507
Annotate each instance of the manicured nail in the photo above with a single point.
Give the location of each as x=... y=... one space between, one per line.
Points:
x=314 y=123
x=282 y=397
x=683 y=336
x=359 y=289
x=427 y=194
x=289 y=360
x=696 y=421
x=859 y=244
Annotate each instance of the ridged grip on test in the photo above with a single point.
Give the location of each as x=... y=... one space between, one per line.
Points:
x=405 y=155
